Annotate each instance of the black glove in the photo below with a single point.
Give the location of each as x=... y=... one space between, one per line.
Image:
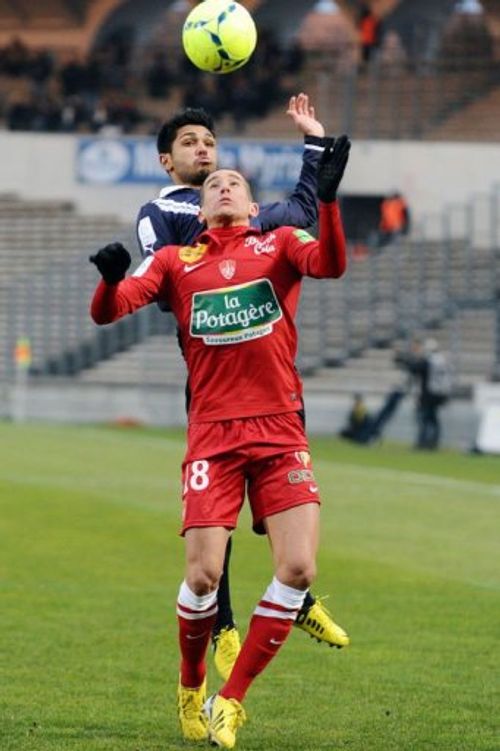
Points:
x=112 y=261
x=331 y=168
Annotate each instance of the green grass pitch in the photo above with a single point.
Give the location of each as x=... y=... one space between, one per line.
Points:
x=90 y=568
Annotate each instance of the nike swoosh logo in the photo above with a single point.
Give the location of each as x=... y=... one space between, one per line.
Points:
x=198 y=636
x=313 y=488
x=273 y=641
x=192 y=267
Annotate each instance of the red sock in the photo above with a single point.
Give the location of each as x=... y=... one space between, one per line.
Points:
x=269 y=627
x=194 y=637
x=264 y=638
x=196 y=617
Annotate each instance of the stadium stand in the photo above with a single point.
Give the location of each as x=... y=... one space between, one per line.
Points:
x=45 y=286
x=348 y=327
x=350 y=324
x=430 y=68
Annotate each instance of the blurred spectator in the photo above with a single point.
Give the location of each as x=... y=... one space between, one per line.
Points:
x=94 y=83
x=293 y=58
x=364 y=427
x=358 y=423
x=467 y=39
x=73 y=114
x=47 y=116
x=40 y=69
x=392 y=51
x=158 y=77
x=123 y=113
x=394 y=219
x=87 y=93
x=469 y=8
x=20 y=115
x=73 y=77
x=326 y=29
x=119 y=45
x=369 y=33
x=429 y=369
x=15 y=59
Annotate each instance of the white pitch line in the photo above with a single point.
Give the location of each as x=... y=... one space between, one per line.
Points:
x=382 y=473
x=413 y=478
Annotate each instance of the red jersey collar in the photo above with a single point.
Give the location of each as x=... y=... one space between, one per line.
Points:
x=220 y=234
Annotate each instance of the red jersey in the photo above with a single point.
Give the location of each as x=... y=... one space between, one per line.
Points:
x=234 y=294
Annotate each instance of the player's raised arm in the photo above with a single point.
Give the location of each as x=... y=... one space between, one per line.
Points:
x=301 y=208
x=112 y=262
x=303 y=115
x=116 y=296
x=332 y=260
x=326 y=257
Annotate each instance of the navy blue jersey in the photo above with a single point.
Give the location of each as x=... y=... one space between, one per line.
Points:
x=172 y=219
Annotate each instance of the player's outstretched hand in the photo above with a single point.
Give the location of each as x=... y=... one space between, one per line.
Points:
x=112 y=261
x=304 y=116
x=331 y=168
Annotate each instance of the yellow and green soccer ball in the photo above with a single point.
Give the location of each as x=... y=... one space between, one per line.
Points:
x=219 y=36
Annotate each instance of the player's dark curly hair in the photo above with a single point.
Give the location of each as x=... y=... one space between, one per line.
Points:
x=188 y=116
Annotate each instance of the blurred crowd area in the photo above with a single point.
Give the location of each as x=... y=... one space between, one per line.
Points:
x=43 y=90
x=129 y=87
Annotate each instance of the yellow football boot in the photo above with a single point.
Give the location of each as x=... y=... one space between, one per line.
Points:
x=224 y=716
x=318 y=622
x=193 y=720
x=226 y=649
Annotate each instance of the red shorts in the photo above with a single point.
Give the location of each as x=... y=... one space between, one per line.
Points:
x=268 y=457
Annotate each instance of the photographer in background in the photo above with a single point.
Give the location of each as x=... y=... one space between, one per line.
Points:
x=430 y=371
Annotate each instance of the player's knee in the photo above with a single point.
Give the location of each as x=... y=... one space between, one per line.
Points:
x=299 y=573
x=203 y=579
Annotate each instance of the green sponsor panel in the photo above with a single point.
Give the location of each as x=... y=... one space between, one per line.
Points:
x=235 y=314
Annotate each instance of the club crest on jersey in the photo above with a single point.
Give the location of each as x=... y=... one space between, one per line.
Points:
x=304 y=457
x=227 y=268
x=192 y=253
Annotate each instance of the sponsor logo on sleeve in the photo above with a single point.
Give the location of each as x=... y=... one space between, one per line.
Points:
x=303 y=236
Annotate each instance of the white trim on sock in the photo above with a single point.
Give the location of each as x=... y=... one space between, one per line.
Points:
x=284 y=595
x=287 y=600
x=195 y=607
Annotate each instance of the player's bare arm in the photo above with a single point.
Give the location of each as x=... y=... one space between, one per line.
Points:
x=303 y=115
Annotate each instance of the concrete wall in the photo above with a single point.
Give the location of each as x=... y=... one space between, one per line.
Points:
x=66 y=401
x=43 y=166
x=432 y=175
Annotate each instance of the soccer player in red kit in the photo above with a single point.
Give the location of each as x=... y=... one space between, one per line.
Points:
x=235 y=295
x=187 y=148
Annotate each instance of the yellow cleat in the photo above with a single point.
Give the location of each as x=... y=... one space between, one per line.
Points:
x=226 y=649
x=224 y=716
x=318 y=622
x=193 y=721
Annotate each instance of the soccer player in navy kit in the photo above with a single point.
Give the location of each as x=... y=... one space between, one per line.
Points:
x=188 y=152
